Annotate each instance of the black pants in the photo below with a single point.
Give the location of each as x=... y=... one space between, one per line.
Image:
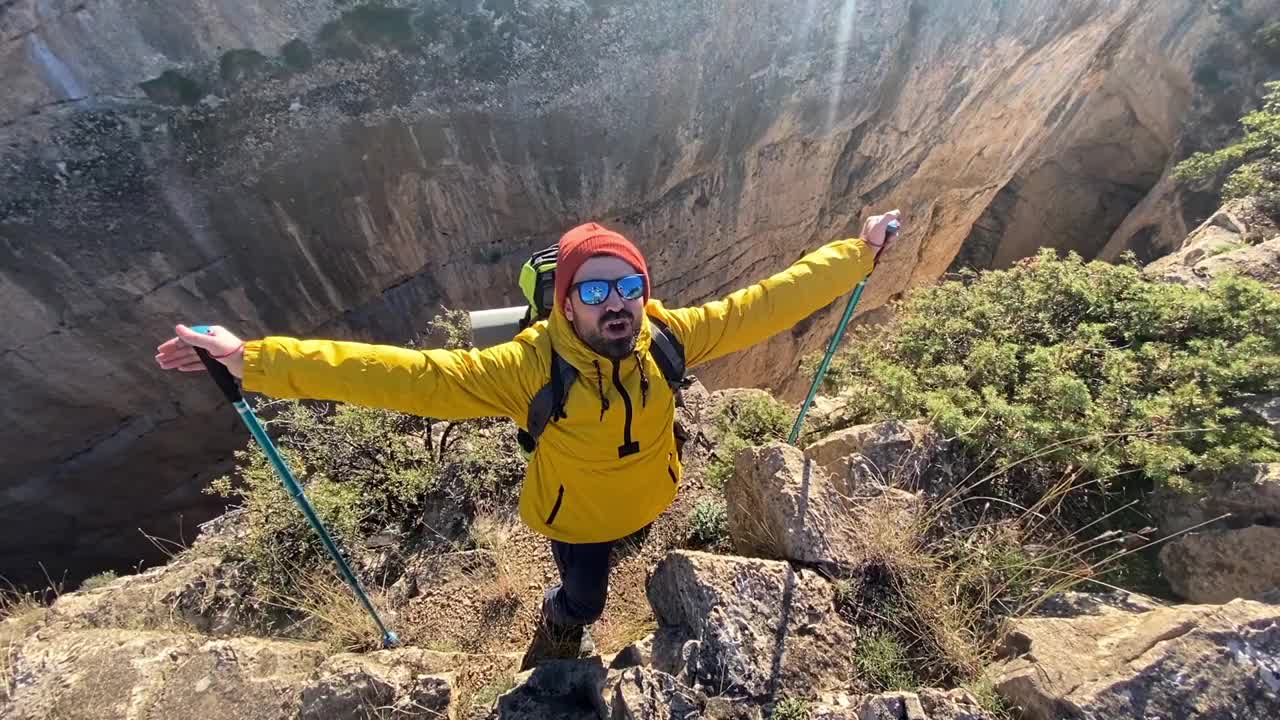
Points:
x=584 y=583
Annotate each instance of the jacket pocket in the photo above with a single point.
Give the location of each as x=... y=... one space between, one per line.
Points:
x=672 y=474
x=555 y=509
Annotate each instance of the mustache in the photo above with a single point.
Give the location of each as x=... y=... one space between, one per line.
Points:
x=612 y=315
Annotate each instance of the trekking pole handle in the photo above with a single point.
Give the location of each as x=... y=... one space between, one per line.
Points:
x=219 y=372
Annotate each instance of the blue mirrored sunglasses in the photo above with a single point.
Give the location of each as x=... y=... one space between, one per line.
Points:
x=594 y=292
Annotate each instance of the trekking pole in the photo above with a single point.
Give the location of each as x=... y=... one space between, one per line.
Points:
x=231 y=390
x=891 y=229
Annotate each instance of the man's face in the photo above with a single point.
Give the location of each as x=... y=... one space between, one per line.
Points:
x=610 y=328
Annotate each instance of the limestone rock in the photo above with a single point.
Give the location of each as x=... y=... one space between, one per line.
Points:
x=825 y=413
x=924 y=704
x=1247 y=494
x=748 y=627
x=909 y=455
x=1217 y=566
x=203 y=593
x=636 y=654
x=1213 y=662
x=220 y=601
x=1238 y=239
x=691 y=414
x=1074 y=604
x=646 y=694
x=557 y=690
x=108 y=674
x=780 y=506
x=398 y=683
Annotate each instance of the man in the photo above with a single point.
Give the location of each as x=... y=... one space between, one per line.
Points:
x=608 y=467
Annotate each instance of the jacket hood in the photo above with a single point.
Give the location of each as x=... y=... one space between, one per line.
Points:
x=565 y=341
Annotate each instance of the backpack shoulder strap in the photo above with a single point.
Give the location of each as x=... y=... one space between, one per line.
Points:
x=548 y=404
x=668 y=352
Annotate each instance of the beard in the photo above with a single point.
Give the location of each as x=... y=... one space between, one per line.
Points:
x=615 y=335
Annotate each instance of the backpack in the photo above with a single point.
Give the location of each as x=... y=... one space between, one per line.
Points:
x=537 y=282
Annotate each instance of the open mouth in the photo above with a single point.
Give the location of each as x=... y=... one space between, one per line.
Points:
x=617 y=327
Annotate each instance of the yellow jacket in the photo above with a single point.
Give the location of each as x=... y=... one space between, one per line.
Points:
x=598 y=474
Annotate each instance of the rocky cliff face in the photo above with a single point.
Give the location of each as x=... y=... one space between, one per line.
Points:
x=328 y=168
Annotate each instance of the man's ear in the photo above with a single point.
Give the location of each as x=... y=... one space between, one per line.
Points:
x=568 y=309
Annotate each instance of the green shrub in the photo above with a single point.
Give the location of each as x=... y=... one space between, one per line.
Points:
x=1064 y=364
x=883 y=664
x=450 y=330
x=983 y=689
x=94 y=582
x=791 y=708
x=720 y=466
x=709 y=523
x=1251 y=160
x=756 y=418
x=362 y=469
x=744 y=421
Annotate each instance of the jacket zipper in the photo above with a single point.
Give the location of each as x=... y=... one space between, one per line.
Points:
x=628 y=446
x=555 y=510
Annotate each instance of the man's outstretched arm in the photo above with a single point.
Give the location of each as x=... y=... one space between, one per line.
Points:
x=755 y=313
x=449 y=384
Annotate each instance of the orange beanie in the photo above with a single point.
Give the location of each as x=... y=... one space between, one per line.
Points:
x=586 y=241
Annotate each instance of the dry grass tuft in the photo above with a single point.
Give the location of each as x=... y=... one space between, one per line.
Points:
x=329 y=611
x=21 y=614
x=490 y=531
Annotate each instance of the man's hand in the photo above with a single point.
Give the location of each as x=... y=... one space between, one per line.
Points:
x=875 y=231
x=179 y=353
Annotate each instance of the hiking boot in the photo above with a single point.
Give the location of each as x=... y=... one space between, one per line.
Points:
x=558 y=642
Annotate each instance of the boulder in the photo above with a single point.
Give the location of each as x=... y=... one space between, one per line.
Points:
x=1248 y=494
x=748 y=627
x=1221 y=565
x=646 y=694
x=1212 y=662
x=908 y=455
x=782 y=506
x=1259 y=262
x=1238 y=239
x=556 y=690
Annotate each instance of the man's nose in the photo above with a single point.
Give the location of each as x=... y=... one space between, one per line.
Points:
x=614 y=302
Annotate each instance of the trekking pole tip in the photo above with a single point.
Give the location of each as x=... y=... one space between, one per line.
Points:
x=390 y=640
